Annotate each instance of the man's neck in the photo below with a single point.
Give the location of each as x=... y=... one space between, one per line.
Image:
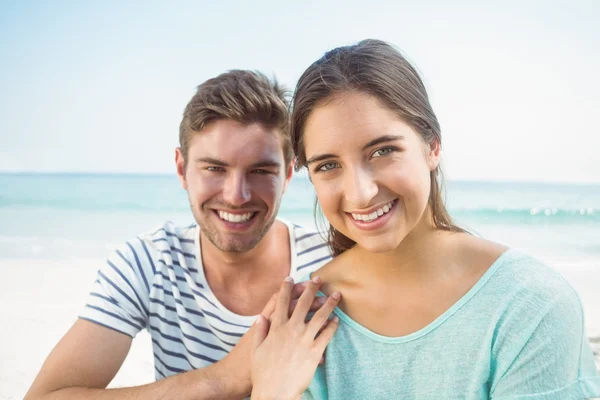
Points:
x=228 y=268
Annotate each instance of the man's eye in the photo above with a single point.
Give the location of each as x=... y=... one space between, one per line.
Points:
x=261 y=171
x=327 y=166
x=382 y=152
x=215 y=169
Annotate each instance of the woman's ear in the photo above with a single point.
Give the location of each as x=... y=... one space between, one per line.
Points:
x=434 y=154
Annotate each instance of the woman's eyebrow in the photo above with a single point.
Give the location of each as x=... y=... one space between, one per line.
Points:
x=382 y=139
x=320 y=157
x=374 y=142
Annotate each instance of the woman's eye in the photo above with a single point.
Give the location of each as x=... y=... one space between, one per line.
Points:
x=383 y=152
x=327 y=166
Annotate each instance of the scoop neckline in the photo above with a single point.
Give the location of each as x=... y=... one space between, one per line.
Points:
x=439 y=320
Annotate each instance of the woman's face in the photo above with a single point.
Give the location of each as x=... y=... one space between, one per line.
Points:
x=371 y=170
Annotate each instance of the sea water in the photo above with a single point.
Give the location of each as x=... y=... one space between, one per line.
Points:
x=75 y=216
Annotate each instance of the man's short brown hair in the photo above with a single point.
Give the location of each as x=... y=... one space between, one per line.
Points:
x=242 y=96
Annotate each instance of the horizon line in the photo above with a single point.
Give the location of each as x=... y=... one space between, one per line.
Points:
x=173 y=174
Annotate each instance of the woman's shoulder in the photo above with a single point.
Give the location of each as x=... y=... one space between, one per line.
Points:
x=336 y=275
x=511 y=271
x=520 y=278
x=509 y=261
x=532 y=274
x=329 y=271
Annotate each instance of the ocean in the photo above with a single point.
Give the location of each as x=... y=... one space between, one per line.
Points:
x=84 y=216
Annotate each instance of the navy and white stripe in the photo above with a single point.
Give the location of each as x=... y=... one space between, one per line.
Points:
x=156 y=282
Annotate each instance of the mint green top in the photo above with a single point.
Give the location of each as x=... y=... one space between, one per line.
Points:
x=517 y=334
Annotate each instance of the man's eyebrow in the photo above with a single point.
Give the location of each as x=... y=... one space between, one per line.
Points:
x=374 y=142
x=210 y=160
x=266 y=164
x=221 y=163
x=382 y=139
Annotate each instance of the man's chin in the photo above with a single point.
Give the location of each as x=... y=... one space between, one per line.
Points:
x=236 y=246
x=239 y=239
x=237 y=249
x=234 y=242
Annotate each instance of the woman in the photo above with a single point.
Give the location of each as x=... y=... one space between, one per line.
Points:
x=428 y=310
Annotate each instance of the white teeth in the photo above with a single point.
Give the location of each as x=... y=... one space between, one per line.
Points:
x=235 y=217
x=375 y=214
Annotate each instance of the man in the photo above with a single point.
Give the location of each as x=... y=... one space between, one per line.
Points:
x=197 y=289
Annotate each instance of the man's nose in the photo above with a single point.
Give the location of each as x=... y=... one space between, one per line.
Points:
x=237 y=190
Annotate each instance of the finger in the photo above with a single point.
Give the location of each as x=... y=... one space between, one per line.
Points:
x=323 y=314
x=261 y=328
x=296 y=293
x=270 y=307
x=325 y=336
x=322 y=326
x=299 y=289
x=280 y=315
x=316 y=304
x=305 y=300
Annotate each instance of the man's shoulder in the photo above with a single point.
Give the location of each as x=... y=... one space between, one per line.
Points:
x=168 y=232
x=304 y=238
x=163 y=243
x=310 y=249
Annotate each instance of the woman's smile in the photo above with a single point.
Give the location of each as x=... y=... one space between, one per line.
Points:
x=375 y=218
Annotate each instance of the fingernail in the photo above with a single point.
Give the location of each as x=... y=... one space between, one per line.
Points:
x=322 y=299
x=257 y=322
x=316 y=280
x=336 y=320
x=289 y=279
x=335 y=295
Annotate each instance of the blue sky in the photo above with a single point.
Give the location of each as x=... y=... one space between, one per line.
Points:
x=100 y=86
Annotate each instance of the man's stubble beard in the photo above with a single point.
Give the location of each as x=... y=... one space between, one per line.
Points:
x=235 y=246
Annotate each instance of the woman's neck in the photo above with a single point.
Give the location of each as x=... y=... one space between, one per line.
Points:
x=415 y=258
x=427 y=253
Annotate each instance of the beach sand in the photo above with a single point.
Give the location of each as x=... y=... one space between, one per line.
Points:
x=40 y=300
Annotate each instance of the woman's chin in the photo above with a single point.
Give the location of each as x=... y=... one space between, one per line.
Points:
x=378 y=245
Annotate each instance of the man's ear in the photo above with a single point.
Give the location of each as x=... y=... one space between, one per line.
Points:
x=434 y=154
x=288 y=175
x=180 y=165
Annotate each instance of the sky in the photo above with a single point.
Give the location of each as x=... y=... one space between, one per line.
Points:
x=100 y=86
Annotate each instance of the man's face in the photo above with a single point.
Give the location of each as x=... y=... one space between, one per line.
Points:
x=235 y=178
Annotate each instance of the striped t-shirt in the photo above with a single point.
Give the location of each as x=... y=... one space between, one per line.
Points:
x=157 y=282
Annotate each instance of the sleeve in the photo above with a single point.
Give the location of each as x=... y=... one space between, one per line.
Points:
x=119 y=297
x=546 y=354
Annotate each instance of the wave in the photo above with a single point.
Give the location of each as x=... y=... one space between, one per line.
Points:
x=93 y=205
x=302 y=210
x=532 y=215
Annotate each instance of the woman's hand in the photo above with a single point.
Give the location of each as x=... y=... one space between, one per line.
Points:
x=287 y=350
